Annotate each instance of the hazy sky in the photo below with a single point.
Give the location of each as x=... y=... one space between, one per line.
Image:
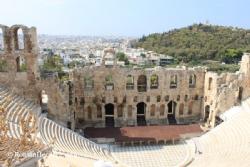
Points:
x=121 y=17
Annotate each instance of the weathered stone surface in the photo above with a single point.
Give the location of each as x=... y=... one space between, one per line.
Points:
x=82 y=102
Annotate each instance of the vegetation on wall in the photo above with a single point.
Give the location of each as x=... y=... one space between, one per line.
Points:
x=3 y=66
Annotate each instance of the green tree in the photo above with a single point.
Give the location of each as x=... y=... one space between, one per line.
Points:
x=199 y=42
x=53 y=64
x=232 y=56
x=122 y=57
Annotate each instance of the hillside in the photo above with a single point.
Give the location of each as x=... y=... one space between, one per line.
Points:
x=197 y=43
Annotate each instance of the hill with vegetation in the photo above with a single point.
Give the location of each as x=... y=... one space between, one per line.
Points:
x=199 y=44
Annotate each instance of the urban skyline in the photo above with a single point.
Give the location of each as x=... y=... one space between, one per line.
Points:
x=121 y=18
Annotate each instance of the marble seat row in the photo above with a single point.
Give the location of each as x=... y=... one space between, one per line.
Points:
x=58 y=137
x=227 y=144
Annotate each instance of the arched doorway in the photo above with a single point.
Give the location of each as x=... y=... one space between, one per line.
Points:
x=207 y=112
x=109 y=115
x=18 y=66
x=171 y=112
x=141 y=110
x=240 y=93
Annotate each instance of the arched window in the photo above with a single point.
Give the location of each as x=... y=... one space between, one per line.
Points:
x=82 y=101
x=162 y=110
x=181 y=109
x=21 y=65
x=173 y=81
x=192 y=81
x=124 y=100
x=99 y=111
x=186 y=98
x=142 y=83
x=190 y=108
x=167 y=98
x=207 y=112
x=120 y=110
x=89 y=112
x=152 y=110
x=240 y=93
x=109 y=82
x=178 y=97
x=88 y=83
x=210 y=80
x=158 y=98
x=154 y=81
x=115 y=99
x=130 y=110
x=19 y=39
x=196 y=97
x=148 y=99
x=130 y=82
x=1 y=40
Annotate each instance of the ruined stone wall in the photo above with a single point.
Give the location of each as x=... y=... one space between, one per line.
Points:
x=226 y=90
x=58 y=99
x=24 y=82
x=28 y=83
x=120 y=96
x=84 y=104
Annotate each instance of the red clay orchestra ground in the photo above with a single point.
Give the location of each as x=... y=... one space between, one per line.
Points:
x=143 y=133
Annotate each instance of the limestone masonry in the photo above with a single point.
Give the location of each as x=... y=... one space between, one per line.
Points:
x=110 y=95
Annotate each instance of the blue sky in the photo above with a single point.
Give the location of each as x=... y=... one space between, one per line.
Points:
x=121 y=17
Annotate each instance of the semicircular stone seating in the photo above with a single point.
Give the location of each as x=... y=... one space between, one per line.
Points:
x=228 y=144
x=59 y=138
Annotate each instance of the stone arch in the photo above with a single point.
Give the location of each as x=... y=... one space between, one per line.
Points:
x=171 y=112
x=88 y=83
x=141 y=112
x=162 y=109
x=21 y=63
x=6 y=40
x=240 y=93
x=109 y=115
x=109 y=109
x=130 y=111
x=158 y=98
x=98 y=111
x=109 y=82
x=120 y=110
x=192 y=81
x=181 y=109
x=190 y=108
x=130 y=82
x=210 y=80
x=173 y=81
x=207 y=113
x=154 y=81
x=89 y=113
x=19 y=38
x=142 y=83
x=152 y=110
